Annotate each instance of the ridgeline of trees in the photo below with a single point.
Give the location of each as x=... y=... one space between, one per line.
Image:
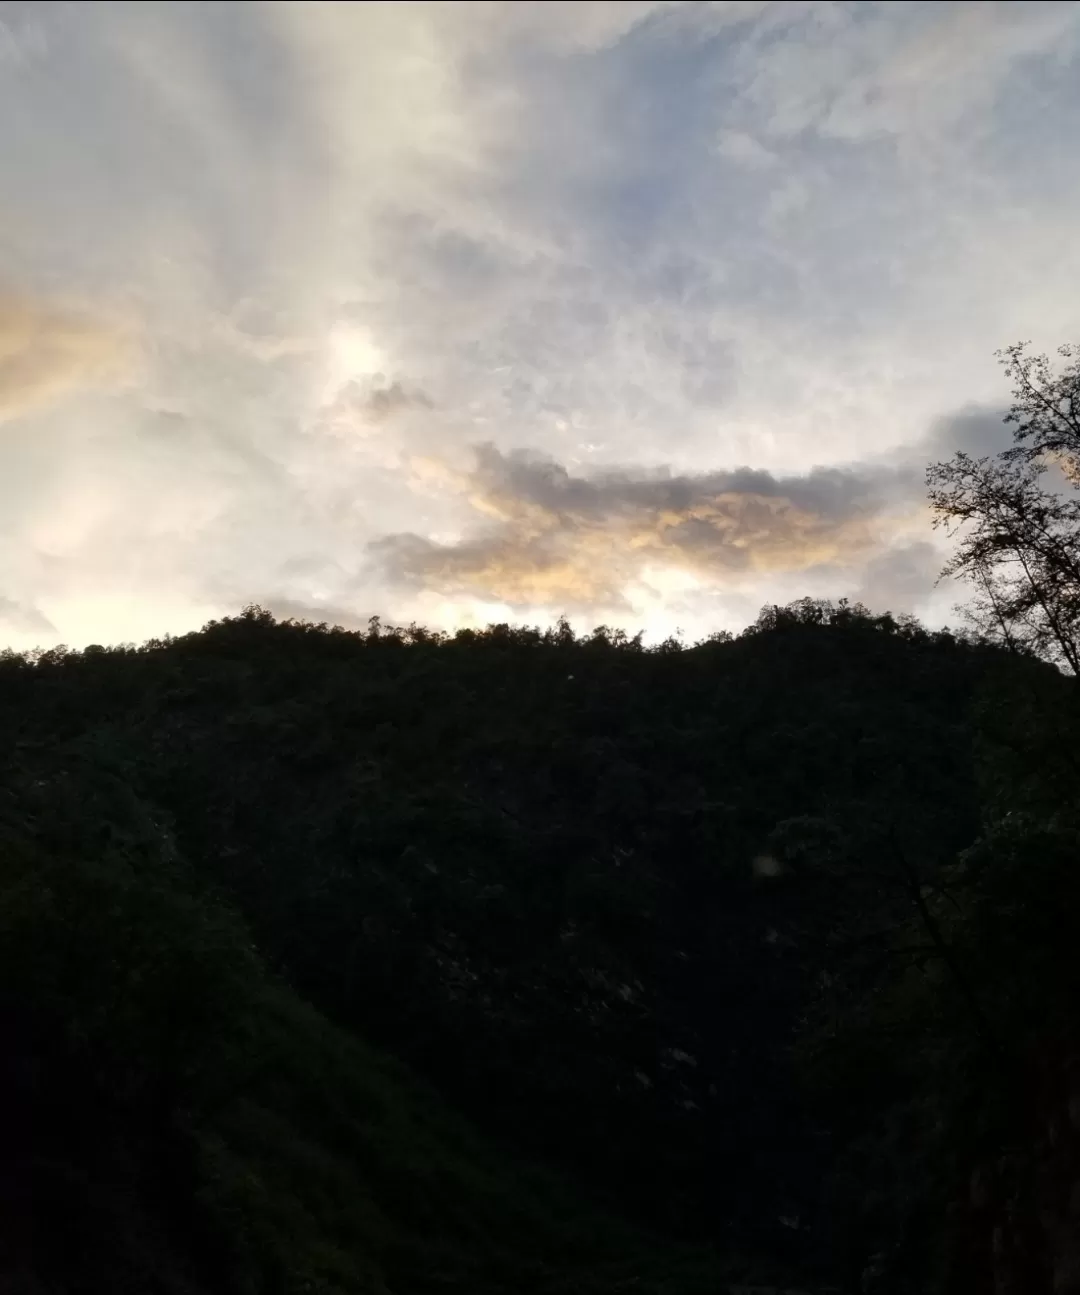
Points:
x=744 y=961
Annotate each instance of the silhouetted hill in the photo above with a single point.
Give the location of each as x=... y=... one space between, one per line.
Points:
x=613 y=902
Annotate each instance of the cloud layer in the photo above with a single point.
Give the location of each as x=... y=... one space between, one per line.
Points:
x=704 y=282
x=583 y=542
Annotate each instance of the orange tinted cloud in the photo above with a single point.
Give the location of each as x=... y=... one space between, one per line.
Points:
x=46 y=351
x=550 y=537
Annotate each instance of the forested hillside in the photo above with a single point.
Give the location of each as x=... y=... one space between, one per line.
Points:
x=596 y=894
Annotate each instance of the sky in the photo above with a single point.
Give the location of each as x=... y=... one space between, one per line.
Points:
x=647 y=314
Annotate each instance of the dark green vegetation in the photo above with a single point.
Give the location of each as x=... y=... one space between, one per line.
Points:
x=173 y=1116
x=762 y=947
x=524 y=864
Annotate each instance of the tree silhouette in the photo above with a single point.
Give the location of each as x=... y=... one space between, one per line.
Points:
x=1016 y=517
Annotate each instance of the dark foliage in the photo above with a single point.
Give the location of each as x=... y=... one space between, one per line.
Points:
x=595 y=893
x=175 y=1119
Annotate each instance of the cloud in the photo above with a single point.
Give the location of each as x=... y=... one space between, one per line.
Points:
x=380 y=403
x=24 y=618
x=975 y=430
x=738 y=146
x=571 y=26
x=375 y=401
x=22 y=37
x=314 y=612
x=47 y=351
x=901 y=578
x=858 y=71
x=568 y=540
